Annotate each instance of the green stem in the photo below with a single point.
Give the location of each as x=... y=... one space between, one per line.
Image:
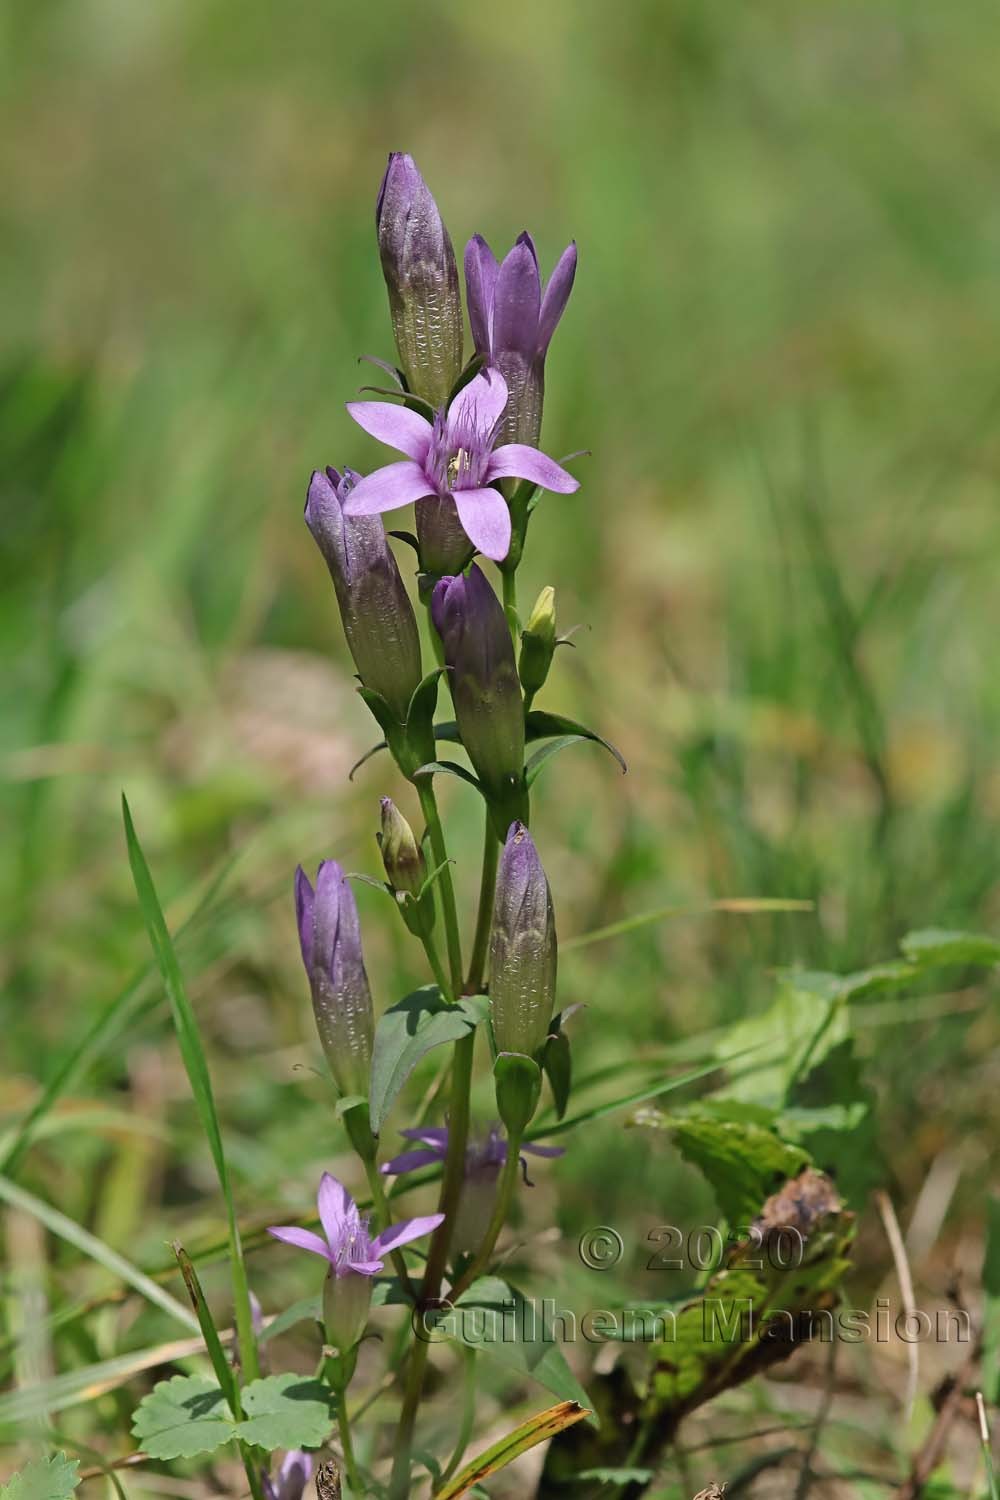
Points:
x=434 y=959
x=429 y=808
x=505 y=1191
x=344 y=1428
x=484 y=918
x=399 y=1481
x=510 y=602
x=381 y=1203
x=468 y=1416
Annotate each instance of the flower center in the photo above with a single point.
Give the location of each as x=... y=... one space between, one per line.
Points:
x=458 y=455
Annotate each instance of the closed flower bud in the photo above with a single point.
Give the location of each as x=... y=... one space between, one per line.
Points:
x=406 y=869
x=538 y=642
x=379 y=622
x=473 y=628
x=522 y=948
x=418 y=263
x=330 y=937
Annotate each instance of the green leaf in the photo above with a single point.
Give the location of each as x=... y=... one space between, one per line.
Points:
x=52 y=1478
x=805 y=1021
x=407 y=1032
x=220 y=1364
x=307 y=1309
x=743 y=1158
x=542 y=726
x=196 y=1067
x=991 y=1309
x=67 y=1229
x=497 y=1321
x=182 y=1417
x=538 y=1429
x=558 y=1067
x=285 y=1411
x=938 y=948
x=450 y=768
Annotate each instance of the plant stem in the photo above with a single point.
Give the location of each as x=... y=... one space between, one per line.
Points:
x=434 y=959
x=344 y=1428
x=429 y=808
x=381 y=1202
x=484 y=918
x=510 y=602
x=468 y=1417
x=505 y=1191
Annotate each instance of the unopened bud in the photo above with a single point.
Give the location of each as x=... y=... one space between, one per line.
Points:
x=538 y=642
x=330 y=938
x=522 y=948
x=406 y=869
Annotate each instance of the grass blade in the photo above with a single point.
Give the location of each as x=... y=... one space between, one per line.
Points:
x=740 y=905
x=88 y=1244
x=193 y=1056
x=220 y=1364
x=536 y=1430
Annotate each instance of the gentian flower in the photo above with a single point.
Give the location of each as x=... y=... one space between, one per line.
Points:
x=485 y=689
x=293 y=1476
x=354 y=1257
x=379 y=622
x=418 y=263
x=453 y=460
x=330 y=938
x=522 y=948
x=484 y=1160
x=513 y=323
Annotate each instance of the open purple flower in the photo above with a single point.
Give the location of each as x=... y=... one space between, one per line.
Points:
x=292 y=1478
x=513 y=322
x=345 y=1241
x=453 y=459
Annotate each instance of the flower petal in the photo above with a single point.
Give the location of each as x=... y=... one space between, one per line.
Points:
x=302 y=1239
x=532 y=1150
x=517 y=301
x=409 y=1161
x=334 y=1203
x=362 y=1268
x=518 y=461
x=387 y=489
x=481 y=269
x=304 y=902
x=431 y=1135
x=556 y=296
x=485 y=520
x=479 y=405
x=403 y=1233
x=395 y=425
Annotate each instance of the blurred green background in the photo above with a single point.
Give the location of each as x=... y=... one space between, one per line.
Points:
x=782 y=352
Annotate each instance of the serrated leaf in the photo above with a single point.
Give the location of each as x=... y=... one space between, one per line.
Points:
x=542 y=726
x=52 y=1478
x=285 y=1411
x=406 y=1032
x=536 y=1430
x=182 y=1417
x=939 y=947
x=742 y=1158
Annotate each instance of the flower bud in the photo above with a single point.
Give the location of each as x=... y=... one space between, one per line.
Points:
x=418 y=263
x=379 y=622
x=473 y=628
x=538 y=642
x=406 y=869
x=522 y=948
x=346 y=1302
x=330 y=937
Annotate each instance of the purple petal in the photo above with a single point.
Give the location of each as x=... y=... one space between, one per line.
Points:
x=485 y=520
x=480 y=280
x=556 y=296
x=362 y=1268
x=518 y=461
x=402 y=1234
x=479 y=405
x=532 y=1150
x=387 y=489
x=517 y=301
x=394 y=425
x=333 y=1201
x=304 y=913
x=432 y=1135
x=303 y=1239
x=410 y=1161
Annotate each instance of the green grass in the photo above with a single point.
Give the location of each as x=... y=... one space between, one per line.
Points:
x=782 y=354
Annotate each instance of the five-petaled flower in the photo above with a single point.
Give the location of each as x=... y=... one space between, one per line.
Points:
x=453 y=459
x=345 y=1241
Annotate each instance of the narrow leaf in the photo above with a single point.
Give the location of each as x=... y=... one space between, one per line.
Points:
x=541 y=726
x=216 y=1353
x=536 y=1430
x=449 y=768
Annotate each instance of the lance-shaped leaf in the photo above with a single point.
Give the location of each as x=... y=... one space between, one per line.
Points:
x=543 y=726
x=407 y=1032
x=536 y=1430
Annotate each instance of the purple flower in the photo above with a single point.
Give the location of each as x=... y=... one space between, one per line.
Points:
x=484 y=1159
x=522 y=948
x=454 y=459
x=513 y=323
x=330 y=938
x=418 y=263
x=293 y=1476
x=379 y=622
x=353 y=1257
x=345 y=1241
x=485 y=689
